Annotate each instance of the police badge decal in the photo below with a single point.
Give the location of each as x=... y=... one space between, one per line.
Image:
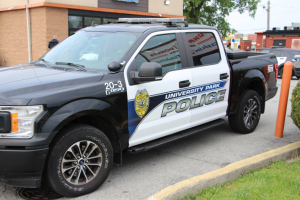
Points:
x=141 y=102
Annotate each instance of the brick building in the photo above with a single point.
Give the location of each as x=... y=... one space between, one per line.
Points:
x=287 y=38
x=62 y=18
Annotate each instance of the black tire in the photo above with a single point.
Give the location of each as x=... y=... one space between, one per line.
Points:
x=237 y=121
x=93 y=162
x=281 y=72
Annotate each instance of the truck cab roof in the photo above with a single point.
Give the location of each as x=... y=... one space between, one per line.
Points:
x=141 y=27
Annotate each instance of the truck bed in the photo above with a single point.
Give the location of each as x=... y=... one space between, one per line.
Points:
x=244 y=66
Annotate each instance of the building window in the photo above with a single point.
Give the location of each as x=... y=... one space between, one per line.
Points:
x=88 y=21
x=79 y=22
x=106 y=20
x=75 y=22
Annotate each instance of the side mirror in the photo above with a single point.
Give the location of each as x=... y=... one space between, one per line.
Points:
x=114 y=66
x=149 y=71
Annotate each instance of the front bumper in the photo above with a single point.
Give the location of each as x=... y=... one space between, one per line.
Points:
x=297 y=71
x=22 y=160
x=296 y=68
x=22 y=168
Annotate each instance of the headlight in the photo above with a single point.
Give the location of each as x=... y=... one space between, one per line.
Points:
x=22 y=120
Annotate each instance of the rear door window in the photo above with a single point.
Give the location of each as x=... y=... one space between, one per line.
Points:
x=204 y=48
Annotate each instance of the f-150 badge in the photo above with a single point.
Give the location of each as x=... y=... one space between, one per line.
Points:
x=141 y=102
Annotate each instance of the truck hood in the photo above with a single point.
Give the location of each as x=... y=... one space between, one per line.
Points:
x=19 y=84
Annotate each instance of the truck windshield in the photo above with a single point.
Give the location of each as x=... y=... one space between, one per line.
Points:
x=93 y=50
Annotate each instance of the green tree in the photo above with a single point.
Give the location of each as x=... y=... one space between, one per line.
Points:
x=213 y=12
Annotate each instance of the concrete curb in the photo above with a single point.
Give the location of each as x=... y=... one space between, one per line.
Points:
x=225 y=174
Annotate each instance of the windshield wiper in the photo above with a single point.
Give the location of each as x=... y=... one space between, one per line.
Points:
x=71 y=64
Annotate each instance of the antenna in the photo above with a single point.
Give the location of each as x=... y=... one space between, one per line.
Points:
x=93 y=24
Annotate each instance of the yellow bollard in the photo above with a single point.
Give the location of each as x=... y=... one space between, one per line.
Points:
x=284 y=94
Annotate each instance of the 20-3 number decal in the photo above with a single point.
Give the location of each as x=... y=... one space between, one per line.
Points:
x=114 y=87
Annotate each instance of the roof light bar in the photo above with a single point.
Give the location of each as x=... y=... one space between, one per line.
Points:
x=146 y=20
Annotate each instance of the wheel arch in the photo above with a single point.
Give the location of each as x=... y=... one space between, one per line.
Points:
x=281 y=66
x=252 y=80
x=92 y=112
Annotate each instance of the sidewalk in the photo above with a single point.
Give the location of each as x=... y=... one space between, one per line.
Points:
x=225 y=174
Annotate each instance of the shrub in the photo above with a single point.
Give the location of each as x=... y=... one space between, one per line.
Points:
x=296 y=105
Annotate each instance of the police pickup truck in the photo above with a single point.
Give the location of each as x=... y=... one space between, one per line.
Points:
x=127 y=86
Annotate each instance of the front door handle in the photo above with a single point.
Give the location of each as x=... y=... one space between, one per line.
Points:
x=184 y=83
x=224 y=76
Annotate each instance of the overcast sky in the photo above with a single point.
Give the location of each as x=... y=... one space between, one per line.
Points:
x=282 y=13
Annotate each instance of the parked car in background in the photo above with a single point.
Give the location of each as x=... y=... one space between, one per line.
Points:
x=283 y=55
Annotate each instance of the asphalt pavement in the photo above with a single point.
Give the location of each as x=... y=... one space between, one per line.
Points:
x=144 y=174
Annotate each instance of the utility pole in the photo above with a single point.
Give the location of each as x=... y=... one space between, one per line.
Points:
x=268 y=10
x=268 y=15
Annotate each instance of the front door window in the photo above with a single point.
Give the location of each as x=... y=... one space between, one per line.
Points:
x=162 y=49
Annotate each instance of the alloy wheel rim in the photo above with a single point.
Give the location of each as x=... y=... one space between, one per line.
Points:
x=82 y=162
x=250 y=112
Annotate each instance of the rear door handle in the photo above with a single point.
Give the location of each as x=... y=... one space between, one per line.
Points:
x=184 y=83
x=224 y=76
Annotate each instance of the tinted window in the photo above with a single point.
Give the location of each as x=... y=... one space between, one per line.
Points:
x=294 y=54
x=265 y=51
x=204 y=48
x=284 y=54
x=162 y=49
x=89 y=20
x=106 y=20
x=276 y=52
x=75 y=22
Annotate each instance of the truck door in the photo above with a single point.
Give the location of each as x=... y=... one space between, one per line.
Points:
x=158 y=108
x=210 y=74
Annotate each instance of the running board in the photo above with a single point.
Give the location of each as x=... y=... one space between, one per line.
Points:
x=161 y=141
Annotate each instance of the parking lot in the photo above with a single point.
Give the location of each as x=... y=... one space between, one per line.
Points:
x=144 y=174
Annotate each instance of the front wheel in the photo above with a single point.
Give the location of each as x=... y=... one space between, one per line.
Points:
x=79 y=161
x=248 y=113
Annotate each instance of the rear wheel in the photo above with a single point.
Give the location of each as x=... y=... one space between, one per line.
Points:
x=79 y=161
x=248 y=113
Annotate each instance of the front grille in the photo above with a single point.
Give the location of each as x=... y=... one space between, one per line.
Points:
x=1 y=123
